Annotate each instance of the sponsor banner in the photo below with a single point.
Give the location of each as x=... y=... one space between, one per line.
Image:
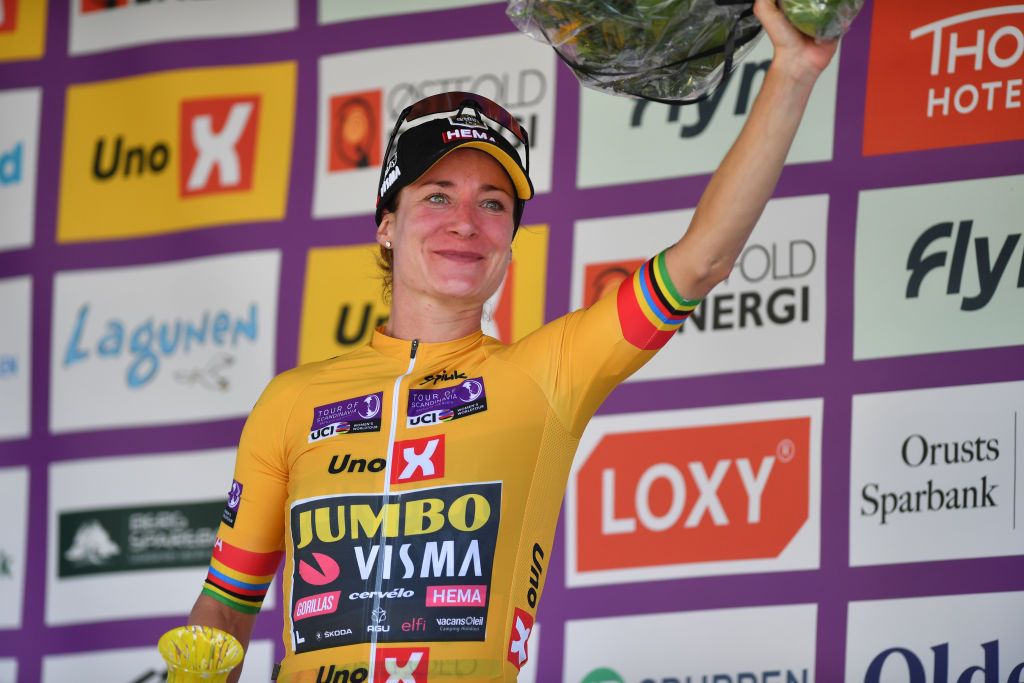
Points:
x=939 y=268
x=431 y=406
x=133 y=551
x=8 y=670
x=13 y=545
x=19 y=143
x=706 y=492
x=15 y=356
x=770 y=313
x=22 y=29
x=934 y=474
x=944 y=74
x=141 y=665
x=344 y=10
x=182 y=149
x=98 y=25
x=962 y=638
x=162 y=344
x=744 y=644
x=342 y=302
x=350 y=416
x=362 y=93
x=442 y=537
x=625 y=140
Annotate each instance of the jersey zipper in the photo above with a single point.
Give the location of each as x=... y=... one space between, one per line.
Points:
x=387 y=492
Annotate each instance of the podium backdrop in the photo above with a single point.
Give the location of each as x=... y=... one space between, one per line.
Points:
x=818 y=479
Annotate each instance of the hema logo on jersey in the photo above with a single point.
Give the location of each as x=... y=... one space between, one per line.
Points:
x=936 y=464
x=961 y=638
x=732 y=491
x=939 y=268
x=163 y=343
x=183 y=149
x=944 y=75
x=359 y=104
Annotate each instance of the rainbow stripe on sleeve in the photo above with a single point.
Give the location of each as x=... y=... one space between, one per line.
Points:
x=650 y=308
x=239 y=578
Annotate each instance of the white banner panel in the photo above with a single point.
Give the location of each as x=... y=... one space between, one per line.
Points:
x=95 y=28
x=705 y=492
x=162 y=344
x=13 y=545
x=362 y=94
x=767 y=643
x=8 y=670
x=939 y=268
x=142 y=665
x=15 y=356
x=139 y=549
x=625 y=140
x=934 y=474
x=963 y=638
x=19 y=145
x=345 y=10
x=770 y=313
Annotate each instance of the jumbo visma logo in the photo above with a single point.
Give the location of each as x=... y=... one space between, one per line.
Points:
x=176 y=150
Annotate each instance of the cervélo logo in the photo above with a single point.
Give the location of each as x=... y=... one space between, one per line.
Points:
x=181 y=149
x=944 y=75
x=732 y=490
x=939 y=268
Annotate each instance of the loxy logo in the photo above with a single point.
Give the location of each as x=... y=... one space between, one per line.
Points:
x=932 y=251
x=401 y=665
x=11 y=165
x=522 y=625
x=706 y=493
x=354 y=136
x=417 y=459
x=959 y=69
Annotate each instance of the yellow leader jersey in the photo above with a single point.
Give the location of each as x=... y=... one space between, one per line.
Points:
x=414 y=489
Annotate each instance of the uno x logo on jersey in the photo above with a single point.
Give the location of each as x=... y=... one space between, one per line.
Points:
x=522 y=625
x=417 y=459
x=401 y=665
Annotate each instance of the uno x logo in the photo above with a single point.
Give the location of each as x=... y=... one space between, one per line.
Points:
x=218 y=144
x=8 y=15
x=401 y=665
x=417 y=459
x=522 y=625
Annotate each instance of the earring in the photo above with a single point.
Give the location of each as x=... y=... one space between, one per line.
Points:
x=387 y=244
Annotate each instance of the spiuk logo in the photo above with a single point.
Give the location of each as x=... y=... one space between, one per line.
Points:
x=218 y=144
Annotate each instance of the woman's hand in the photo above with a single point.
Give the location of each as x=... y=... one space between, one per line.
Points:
x=796 y=54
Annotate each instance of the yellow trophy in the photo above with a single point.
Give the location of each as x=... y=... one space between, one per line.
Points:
x=199 y=653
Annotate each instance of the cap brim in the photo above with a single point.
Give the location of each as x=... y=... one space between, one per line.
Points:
x=524 y=188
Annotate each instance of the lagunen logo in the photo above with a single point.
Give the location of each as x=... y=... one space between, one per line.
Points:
x=354 y=136
x=150 y=342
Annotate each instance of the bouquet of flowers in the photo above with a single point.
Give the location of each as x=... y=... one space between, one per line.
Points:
x=674 y=51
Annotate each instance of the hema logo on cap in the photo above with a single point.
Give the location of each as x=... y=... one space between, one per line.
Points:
x=459 y=134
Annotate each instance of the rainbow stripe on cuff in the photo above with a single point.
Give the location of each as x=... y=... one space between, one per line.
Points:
x=650 y=308
x=239 y=578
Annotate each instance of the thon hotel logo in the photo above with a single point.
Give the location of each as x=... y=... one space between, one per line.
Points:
x=176 y=150
x=944 y=74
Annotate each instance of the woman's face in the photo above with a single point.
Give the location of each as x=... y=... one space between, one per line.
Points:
x=451 y=234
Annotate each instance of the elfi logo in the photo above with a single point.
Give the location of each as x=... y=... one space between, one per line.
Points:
x=417 y=459
x=218 y=144
x=401 y=665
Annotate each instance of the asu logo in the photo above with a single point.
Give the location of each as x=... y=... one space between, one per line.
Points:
x=176 y=150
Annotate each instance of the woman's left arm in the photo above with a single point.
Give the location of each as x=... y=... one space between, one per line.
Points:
x=741 y=187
